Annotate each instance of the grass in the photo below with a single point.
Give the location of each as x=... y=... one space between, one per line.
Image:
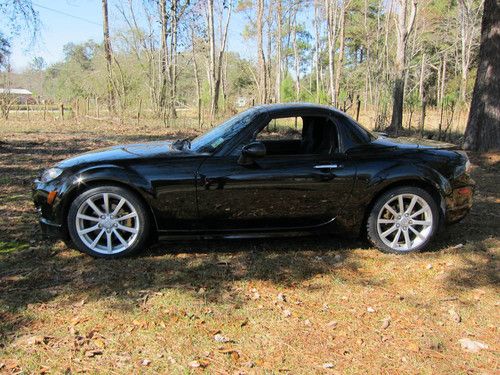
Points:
x=344 y=303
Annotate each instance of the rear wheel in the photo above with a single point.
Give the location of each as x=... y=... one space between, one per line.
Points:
x=403 y=220
x=108 y=222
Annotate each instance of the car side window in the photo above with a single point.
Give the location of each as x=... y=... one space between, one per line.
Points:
x=281 y=129
x=301 y=135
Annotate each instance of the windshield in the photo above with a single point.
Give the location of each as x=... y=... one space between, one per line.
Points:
x=211 y=140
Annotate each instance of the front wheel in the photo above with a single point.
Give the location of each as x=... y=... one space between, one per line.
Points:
x=403 y=220
x=108 y=222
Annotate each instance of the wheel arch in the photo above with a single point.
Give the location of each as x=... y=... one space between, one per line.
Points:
x=93 y=181
x=432 y=188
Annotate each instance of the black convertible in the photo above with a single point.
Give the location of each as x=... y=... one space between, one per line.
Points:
x=270 y=170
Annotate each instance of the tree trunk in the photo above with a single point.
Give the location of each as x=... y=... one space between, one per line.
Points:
x=211 y=41
x=317 y=27
x=269 y=90
x=421 y=81
x=443 y=78
x=340 y=60
x=260 y=53
x=331 y=32
x=108 y=54
x=172 y=71
x=296 y=56
x=196 y=78
x=403 y=28
x=164 y=58
x=279 y=40
x=483 y=127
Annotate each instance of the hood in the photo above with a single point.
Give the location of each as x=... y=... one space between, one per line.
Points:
x=413 y=143
x=125 y=152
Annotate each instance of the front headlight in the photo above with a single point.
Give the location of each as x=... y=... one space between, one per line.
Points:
x=51 y=174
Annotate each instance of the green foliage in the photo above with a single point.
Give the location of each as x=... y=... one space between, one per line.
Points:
x=287 y=89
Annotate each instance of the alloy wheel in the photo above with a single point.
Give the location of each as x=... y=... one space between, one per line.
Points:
x=405 y=222
x=107 y=223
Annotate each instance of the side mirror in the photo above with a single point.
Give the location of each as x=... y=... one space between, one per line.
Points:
x=254 y=150
x=250 y=152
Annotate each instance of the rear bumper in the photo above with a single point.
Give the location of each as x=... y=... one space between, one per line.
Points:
x=459 y=203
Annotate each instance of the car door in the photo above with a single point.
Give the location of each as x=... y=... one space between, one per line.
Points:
x=275 y=192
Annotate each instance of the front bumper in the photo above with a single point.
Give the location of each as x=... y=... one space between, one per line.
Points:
x=50 y=229
x=50 y=214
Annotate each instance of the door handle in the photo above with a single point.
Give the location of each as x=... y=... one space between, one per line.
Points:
x=328 y=166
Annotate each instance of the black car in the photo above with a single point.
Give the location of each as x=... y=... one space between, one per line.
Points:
x=248 y=177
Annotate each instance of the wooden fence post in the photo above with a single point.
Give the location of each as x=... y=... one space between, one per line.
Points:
x=28 y=111
x=358 y=107
x=62 y=111
x=97 y=106
x=44 y=109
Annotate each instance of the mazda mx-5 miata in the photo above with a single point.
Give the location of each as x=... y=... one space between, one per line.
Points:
x=245 y=178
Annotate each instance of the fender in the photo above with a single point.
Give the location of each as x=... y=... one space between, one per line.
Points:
x=365 y=191
x=105 y=172
x=416 y=172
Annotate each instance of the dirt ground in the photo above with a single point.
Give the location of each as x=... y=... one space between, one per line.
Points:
x=298 y=306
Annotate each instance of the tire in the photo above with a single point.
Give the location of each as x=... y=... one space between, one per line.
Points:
x=108 y=222
x=415 y=224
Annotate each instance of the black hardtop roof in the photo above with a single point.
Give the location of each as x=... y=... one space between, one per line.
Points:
x=293 y=108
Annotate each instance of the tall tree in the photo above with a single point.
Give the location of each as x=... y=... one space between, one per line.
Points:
x=108 y=56
x=340 y=61
x=296 y=55
x=216 y=60
x=404 y=25
x=331 y=27
x=317 y=48
x=469 y=13
x=260 y=53
x=483 y=127
x=279 y=42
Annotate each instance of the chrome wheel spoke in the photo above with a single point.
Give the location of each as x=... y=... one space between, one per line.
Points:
x=419 y=212
x=127 y=229
x=417 y=233
x=396 y=238
x=425 y=223
x=88 y=230
x=105 y=198
x=407 y=239
x=120 y=238
x=389 y=231
x=94 y=207
x=401 y=204
x=391 y=210
x=87 y=217
x=126 y=217
x=109 y=242
x=119 y=206
x=386 y=221
x=96 y=240
x=412 y=204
